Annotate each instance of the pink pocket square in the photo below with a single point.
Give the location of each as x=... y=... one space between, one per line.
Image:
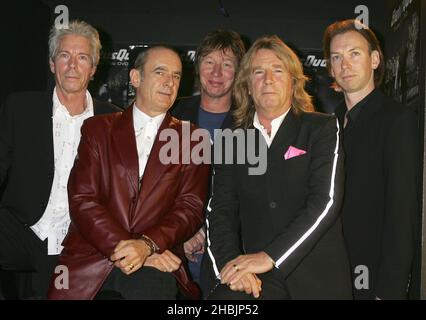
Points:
x=293 y=152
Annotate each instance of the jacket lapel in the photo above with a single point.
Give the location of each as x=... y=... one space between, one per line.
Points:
x=286 y=134
x=46 y=126
x=123 y=135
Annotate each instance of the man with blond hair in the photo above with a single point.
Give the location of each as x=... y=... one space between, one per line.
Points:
x=278 y=235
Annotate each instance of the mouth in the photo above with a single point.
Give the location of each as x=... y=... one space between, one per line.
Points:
x=348 y=77
x=215 y=83
x=72 y=77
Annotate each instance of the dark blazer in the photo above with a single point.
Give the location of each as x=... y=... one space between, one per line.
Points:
x=26 y=153
x=186 y=108
x=107 y=206
x=291 y=212
x=380 y=206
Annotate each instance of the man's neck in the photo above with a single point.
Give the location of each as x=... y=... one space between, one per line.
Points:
x=216 y=105
x=148 y=111
x=266 y=119
x=353 y=98
x=74 y=102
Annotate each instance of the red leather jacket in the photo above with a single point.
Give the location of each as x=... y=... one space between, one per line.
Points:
x=106 y=205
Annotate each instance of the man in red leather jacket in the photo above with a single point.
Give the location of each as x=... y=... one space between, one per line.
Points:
x=129 y=209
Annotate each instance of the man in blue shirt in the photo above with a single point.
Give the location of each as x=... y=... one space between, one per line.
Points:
x=216 y=63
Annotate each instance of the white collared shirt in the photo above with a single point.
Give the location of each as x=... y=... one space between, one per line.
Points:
x=275 y=125
x=66 y=138
x=146 y=129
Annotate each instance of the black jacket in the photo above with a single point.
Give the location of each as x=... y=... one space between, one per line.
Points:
x=26 y=153
x=291 y=212
x=380 y=207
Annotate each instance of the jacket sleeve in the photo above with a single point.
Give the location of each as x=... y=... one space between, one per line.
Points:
x=401 y=220
x=323 y=200
x=186 y=215
x=87 y=213
x=223 y=222
x=6 y=139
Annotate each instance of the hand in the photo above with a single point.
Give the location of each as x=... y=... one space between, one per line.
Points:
x=130 y=255
x=165 y=262
x=249 y=283
x=195 y=245
x=235 y=269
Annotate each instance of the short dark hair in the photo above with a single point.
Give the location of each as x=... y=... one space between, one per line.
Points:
x=344 y=26
x=220 y=40
x=142 y=56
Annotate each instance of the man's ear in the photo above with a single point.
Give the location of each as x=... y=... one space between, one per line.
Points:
x=135 y=78
x=330 y=69
x=375 y=59
x=92 y=72
x=52 y=65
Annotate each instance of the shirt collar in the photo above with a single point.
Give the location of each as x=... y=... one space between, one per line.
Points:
x=140 y=119
x=355 y=111
x=59 y=107
x=275 y=124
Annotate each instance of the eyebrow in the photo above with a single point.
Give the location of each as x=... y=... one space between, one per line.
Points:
x=229 y=60
x=79 y=53
x=351 y=49
x=162 y=68
x=281 y=66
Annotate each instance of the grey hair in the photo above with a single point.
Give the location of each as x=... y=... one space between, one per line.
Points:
x=77 y=28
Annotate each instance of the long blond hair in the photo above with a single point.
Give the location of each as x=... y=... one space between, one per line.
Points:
x=301 y=100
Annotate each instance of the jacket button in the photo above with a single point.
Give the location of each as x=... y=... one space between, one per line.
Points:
x=272 y=205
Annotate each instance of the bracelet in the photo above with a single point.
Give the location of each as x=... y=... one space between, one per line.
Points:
x=152 y=246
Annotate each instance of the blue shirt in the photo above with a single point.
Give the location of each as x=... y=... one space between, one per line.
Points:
x=210 y=121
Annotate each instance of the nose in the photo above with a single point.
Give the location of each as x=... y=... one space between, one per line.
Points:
x=168 y=80
x=345 y=63
x=269 y=78
x=217 y=69
x=72 y=61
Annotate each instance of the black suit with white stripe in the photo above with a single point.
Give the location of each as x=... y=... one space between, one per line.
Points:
x=291 y=212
